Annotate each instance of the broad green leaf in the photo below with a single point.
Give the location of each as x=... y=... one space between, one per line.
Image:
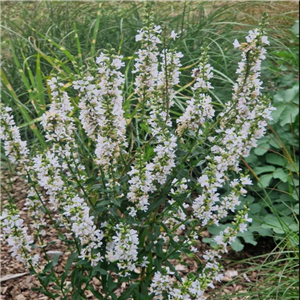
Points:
x=279 y=173
x=261 y=149
x=295 y=182
x=248 y=237
x=275 y=159
x=271 y=221
x=283 y=198
x=295 y=195
x=252 y=159
x=215 y=230
x=263 y=140
x=255 y=208
x=276 y=113
x=289 y=95
x=275 y=143
x=264 y=169
x=257 y=227
x=237 y=245
x=265 y=180
x=288 y=220
x=249 y=199
x=209 y=241
x=294 y=227
x=288 y=114
x=296 y=209
x=279 y=226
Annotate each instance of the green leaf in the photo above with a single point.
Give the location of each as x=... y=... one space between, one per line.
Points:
x=128 y=291
x=289 y=95
x=248 y=237
x=264 y=169
x=252 y=159
x=296 y=209
x=265 y=180
x=281 y=174
x=67 y=267
x=295 y=195
x=275 y=159
x=97 y=270
x=255 y=208
x=275 y=143
x=288 y=115
x=45 y=279
x=48 y=267
x=294 y=227
x=249 y=199
x=262 y=149
x=209 y=241
x=257 y=227
x=276 y=113
x=237 y=245
x=272 y=222
x=215 y=230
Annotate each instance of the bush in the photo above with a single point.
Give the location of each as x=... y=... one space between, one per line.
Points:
x=128 y=182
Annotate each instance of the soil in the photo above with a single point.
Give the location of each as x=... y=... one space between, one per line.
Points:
x=17 y=283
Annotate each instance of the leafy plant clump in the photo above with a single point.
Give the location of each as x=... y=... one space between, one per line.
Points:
x=130 y=185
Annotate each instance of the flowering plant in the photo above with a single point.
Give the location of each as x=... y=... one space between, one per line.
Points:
x=116 y=180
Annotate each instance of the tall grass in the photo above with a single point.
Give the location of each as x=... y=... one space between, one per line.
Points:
x=268 y=276
x=82 y=28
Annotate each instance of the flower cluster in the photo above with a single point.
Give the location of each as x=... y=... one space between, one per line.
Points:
x=11 y=222
x=82 y=225
x=199 y=109
x=154 y=89
x=235 y=137
x=53 y=168
x=47 y=177
x=124 y=248
x=164 y=283
x=146 y=63
x=15 y=149
x=161 y=282
x=17 y=237
x=101 y=111
x=58 y=125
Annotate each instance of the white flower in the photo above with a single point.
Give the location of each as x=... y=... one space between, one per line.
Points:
x=173 y=35
x=236 y=43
